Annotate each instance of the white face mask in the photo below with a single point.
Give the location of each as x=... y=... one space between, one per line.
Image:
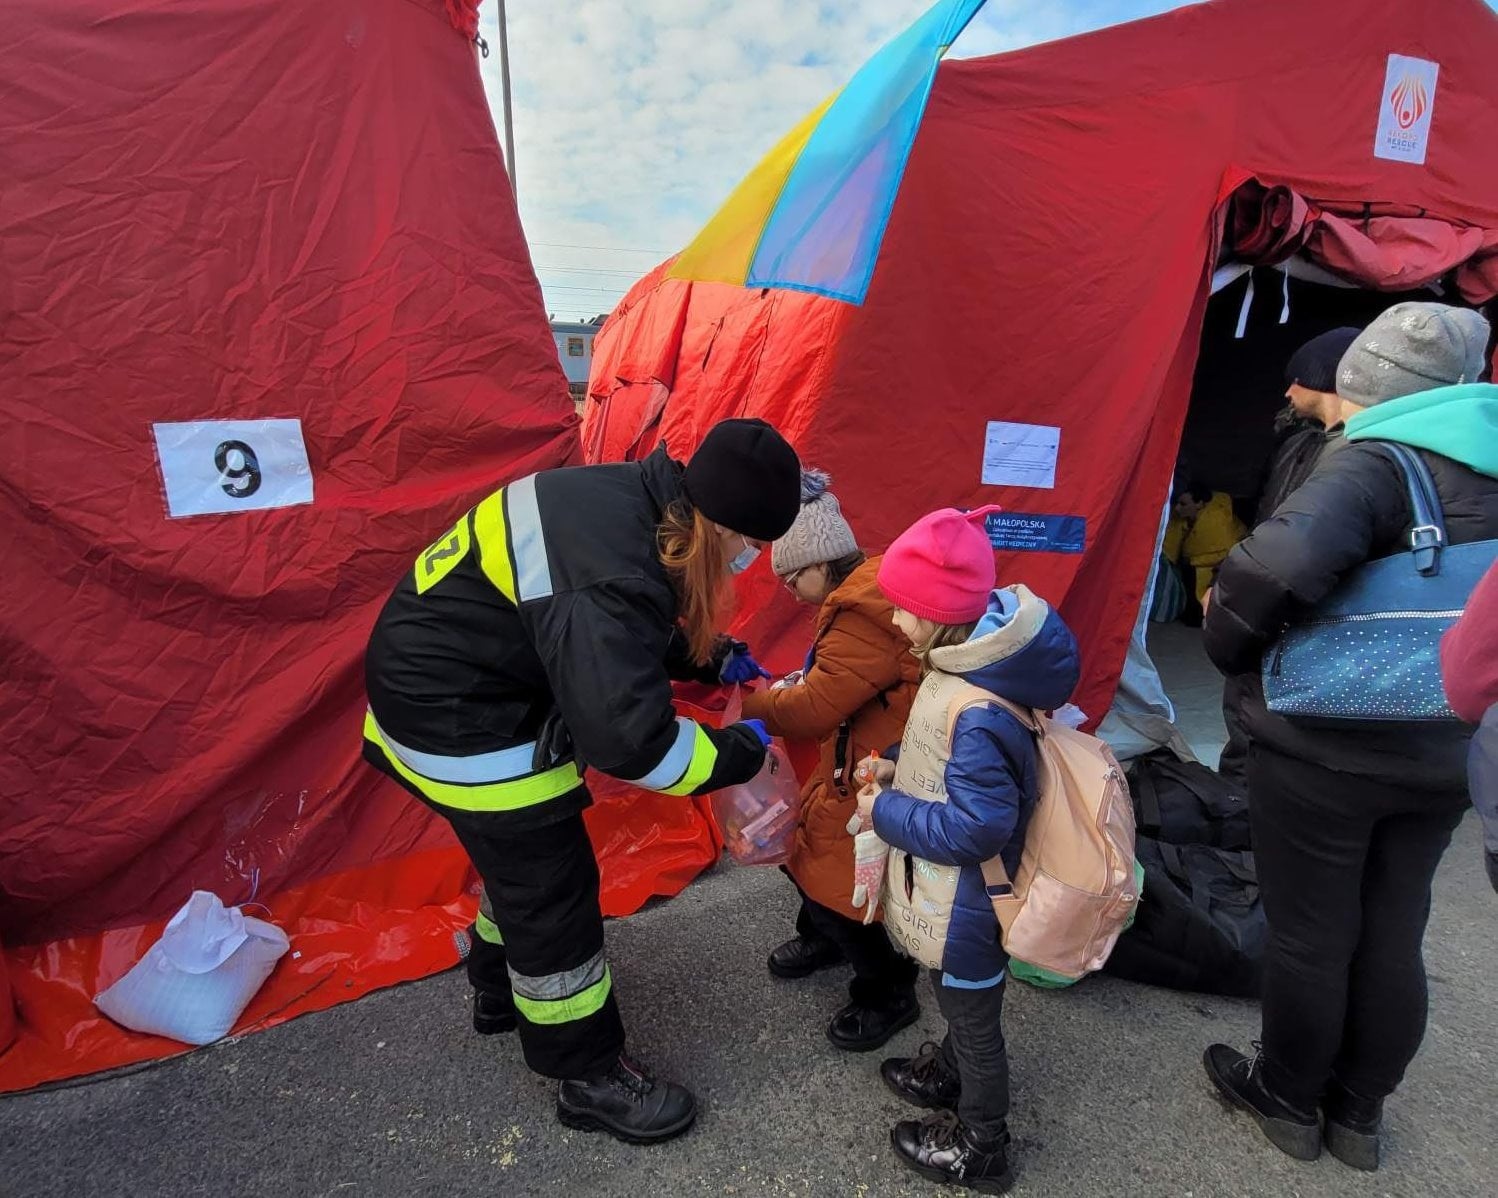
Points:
x=744 y=560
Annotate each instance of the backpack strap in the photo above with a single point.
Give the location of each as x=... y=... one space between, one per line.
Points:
x=996 y=880
x=969 y=696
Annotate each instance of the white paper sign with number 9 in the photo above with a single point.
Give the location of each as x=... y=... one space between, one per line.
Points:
x=216 y=466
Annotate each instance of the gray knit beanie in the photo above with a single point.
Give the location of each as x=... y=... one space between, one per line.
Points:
x=820 y=534
x=1413 y=348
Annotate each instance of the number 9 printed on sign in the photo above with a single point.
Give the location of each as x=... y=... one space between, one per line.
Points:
x=239 y=469
x=211 y=467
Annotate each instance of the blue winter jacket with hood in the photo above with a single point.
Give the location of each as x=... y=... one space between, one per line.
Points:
x=991 y=778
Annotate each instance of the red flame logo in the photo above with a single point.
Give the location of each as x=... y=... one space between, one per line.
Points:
x=1409 y=101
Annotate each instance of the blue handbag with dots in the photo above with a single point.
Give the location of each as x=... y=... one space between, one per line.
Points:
x=1371 y=649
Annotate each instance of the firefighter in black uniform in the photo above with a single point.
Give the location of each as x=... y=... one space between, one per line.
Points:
x=538 y=636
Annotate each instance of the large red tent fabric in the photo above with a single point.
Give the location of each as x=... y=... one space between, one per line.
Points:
x=288 y=228
x=1048 y=263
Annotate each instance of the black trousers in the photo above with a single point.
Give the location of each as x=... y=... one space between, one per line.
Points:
x=881 y=975
x=974 y=1048
x=1233 y=764
x=539 y=941
x=1345 y=868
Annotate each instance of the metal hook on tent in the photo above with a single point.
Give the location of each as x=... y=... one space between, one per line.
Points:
x=478 y=40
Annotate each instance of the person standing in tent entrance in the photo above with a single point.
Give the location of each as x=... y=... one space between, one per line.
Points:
x=852 y=698
x=1307 y=430
x=1350 y=819
x=540 y=635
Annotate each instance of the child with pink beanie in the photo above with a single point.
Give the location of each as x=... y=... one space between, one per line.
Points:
x=959 y=793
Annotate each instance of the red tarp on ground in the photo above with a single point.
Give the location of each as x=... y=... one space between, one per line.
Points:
x=232 y=210
x=1047 y=263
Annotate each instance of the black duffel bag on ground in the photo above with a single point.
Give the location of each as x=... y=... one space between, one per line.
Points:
x=1200 y=925
x=1184 y=802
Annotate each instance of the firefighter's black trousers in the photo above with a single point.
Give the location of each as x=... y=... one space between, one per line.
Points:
x=539 y=941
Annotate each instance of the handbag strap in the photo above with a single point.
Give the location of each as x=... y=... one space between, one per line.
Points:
x=1428 y=536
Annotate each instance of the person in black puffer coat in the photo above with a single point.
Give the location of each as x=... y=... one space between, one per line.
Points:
x=1307 y=430
x=1349 y=823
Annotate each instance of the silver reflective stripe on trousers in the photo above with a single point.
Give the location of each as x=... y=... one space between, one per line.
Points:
x=502 y=765
x=673 y=765
x=560 y=985
x=532 y=566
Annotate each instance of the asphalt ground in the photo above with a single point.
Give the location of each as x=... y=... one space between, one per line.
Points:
x=395 y=1095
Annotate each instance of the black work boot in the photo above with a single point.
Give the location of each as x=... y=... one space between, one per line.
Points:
x=1352 y=1126
x=1240 y=1081
x=627 y=1103
x=861 y=1027
x=941 y=1149
x=803 y=956
x=923 y=1080
x=493 y=1013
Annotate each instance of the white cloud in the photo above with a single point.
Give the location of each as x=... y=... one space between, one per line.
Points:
x=634 y=120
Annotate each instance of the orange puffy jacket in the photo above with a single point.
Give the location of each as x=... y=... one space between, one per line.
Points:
x=854 y=700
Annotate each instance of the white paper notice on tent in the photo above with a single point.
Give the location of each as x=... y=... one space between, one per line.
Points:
x=1020 y=455
x=1405 y=109
x=211 y=467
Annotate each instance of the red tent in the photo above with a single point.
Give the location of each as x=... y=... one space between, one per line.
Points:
x=1038 y=307
x=269 y=320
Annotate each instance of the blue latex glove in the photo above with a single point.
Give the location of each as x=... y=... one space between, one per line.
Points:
x=759 y=730
x=740 y=667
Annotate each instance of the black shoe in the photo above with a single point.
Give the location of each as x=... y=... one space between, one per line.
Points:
x=859 y=1028
x=924 y=1079
x=627 y=1103
x=493 y=1013
x=801 y=957
x=940 y=1149
x=1352 y=1127
x=1240 y=1081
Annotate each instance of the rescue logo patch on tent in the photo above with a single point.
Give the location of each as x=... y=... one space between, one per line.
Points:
x=1406 y=108
x=211 y=467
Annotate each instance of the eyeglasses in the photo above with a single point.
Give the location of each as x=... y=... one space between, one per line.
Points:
x=790 y=580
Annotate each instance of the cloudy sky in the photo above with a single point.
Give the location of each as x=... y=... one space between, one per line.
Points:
x=635 y=118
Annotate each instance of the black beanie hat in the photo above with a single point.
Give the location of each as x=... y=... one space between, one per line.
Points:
x=746 y=477
x=1314 y=364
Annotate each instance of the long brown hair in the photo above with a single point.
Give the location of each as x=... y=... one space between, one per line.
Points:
x=694 y=556
x=944 y=636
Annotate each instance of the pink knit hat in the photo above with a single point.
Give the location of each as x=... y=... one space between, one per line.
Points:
x=941 y=568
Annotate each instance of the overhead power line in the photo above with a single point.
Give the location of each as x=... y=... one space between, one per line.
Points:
x=585 y=270
x=606 y=249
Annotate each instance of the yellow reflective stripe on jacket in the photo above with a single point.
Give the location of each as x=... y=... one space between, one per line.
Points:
x=699 y=769
x=566 y=1010
x=493 y=539
x=491 y=796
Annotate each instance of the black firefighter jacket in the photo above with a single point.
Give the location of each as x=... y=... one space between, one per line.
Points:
x=537 y=636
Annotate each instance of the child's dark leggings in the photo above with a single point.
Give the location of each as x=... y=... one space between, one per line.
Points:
x=974 y=1048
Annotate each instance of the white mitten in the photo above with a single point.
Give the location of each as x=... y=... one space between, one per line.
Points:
x=869 y=854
